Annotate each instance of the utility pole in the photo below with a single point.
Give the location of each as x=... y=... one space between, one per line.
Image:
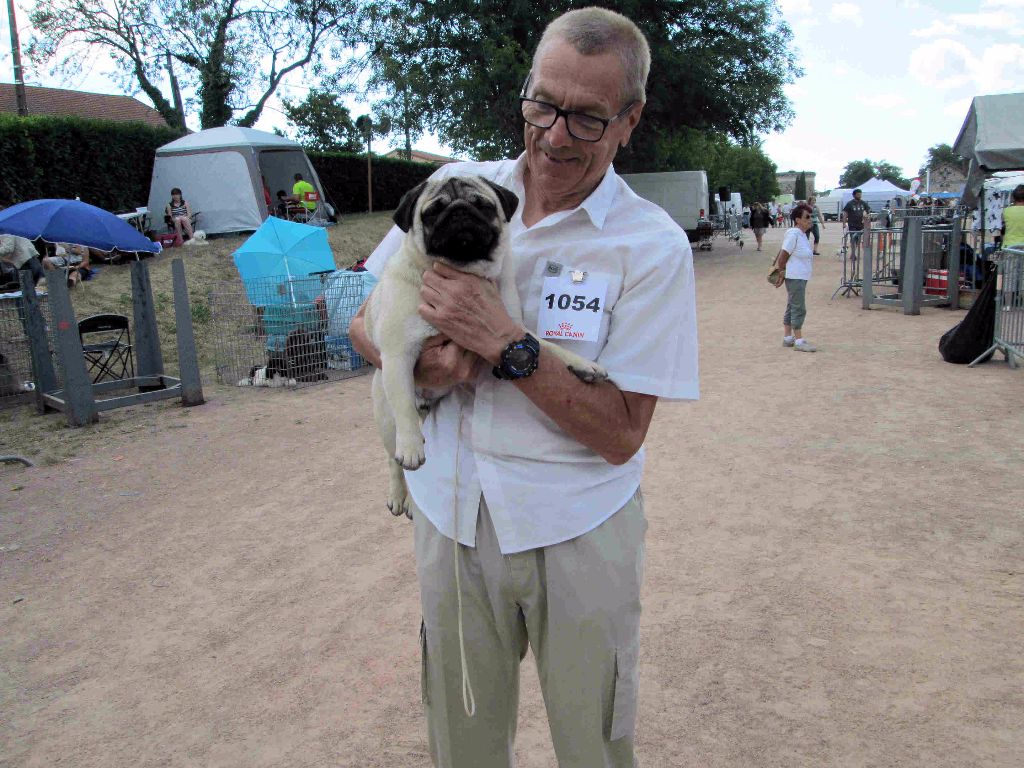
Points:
x=365 y=123
x=175 y=93
x=19 y=76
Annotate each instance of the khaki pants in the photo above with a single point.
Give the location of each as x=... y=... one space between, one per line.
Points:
x=576 y=603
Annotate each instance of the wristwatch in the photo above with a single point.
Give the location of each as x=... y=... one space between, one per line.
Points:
x=518 y=359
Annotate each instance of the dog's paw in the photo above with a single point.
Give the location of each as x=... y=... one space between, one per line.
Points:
x=409 y=452
x=399 y=506
x=591 y=373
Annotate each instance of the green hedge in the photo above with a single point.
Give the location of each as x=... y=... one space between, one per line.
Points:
x=110 y=165
x=343 y=177
x=105 y=163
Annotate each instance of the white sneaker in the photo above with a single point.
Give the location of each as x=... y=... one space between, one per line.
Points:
x=788 y=342
x=804 y=346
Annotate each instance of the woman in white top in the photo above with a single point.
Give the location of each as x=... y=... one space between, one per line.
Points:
x=795 y=259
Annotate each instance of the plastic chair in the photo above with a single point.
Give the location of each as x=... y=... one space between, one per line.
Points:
x=107 y=347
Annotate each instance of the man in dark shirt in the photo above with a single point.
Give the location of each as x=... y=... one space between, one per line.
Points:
x=856 y=215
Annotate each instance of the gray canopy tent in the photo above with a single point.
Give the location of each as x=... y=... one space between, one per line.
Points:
x=992 y=139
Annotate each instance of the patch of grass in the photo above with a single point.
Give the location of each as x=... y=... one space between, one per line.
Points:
x=48 y=440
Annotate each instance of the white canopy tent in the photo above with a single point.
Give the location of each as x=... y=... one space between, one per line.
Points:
x=220 y=172
x=992 y=139
x=876 y=193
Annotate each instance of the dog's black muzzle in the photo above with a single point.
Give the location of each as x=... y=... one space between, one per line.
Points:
x=463 y=234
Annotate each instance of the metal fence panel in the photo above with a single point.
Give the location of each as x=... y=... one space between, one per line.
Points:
x=1009 y=329
x=287 y=332
x=17 y=380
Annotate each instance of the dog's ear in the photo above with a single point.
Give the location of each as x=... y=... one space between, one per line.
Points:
x=509 y=201
x=403 y=214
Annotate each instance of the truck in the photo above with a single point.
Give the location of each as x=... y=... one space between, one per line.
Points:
x=831 y=204
x=682 y=194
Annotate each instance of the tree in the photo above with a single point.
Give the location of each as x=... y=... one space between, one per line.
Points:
x=800 y=186
x=323 y=124
x=718 y=65
x=859 y=171
x=746 y=170
x=942 y=154
x=235 y=53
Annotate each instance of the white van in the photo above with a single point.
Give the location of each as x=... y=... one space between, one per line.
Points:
x=682 y=194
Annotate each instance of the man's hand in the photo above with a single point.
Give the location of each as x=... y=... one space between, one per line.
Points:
x=468 y=310
x=443 y=363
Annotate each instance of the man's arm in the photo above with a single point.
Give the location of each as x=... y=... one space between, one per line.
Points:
x=441 y=363
x=469 y=311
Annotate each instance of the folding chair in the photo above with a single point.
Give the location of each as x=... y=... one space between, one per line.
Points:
x=108 y=348
x=302 y=213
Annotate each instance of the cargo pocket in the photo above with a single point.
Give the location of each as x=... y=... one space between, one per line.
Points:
x=627 y=679
x=424 y=697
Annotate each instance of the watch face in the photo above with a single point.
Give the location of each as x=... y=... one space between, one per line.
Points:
x=520 y=358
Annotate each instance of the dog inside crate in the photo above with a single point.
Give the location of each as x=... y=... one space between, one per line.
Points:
x=296 y=350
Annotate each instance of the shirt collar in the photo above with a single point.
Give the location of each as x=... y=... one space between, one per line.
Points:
x=597 y=204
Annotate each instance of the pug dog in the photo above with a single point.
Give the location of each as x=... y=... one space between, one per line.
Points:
x=461 y=221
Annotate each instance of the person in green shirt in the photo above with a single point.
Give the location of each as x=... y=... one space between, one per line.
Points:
x=1013 y=220
x=299 y=190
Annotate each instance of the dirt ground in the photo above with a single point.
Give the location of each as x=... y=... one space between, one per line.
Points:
x=834 y=567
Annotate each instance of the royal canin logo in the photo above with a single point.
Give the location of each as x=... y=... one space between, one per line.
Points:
x=565 y=326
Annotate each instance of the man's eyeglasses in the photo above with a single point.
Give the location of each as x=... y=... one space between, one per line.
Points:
x=579 y=124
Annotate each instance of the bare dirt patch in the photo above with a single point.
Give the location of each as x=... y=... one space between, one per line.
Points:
x=834 y=566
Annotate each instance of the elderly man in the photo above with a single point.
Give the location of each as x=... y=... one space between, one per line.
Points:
x=542 y=471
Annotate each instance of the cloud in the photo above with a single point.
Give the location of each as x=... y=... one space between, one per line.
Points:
x=846 y=12
x=957 y=108
x=1002 y=4
x=937 y=29
x=882 y=100
x=994 y=21
x=947 y=64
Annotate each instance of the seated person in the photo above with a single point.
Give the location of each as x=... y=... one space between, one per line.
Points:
x=299 y=191
x=73 y=258
x=178 y=214
x=22 y=254
x=282 y=204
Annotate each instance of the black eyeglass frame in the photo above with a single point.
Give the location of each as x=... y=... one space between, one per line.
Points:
x=565 y=113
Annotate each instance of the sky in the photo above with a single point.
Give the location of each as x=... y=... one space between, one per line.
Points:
x=887 y=80
x=884 y=79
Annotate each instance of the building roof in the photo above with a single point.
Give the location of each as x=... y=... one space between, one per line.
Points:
x=58 y=102
x=419 y=156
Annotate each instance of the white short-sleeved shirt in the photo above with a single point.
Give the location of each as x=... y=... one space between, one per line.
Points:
x=801 y=255
x=542 y=486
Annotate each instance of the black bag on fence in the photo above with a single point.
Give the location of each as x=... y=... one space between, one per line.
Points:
x=965 y=341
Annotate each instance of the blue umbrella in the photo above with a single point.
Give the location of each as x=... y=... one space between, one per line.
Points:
x=72 y=221
x=277 y=254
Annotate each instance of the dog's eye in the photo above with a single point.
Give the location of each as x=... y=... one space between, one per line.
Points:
x=432 y=211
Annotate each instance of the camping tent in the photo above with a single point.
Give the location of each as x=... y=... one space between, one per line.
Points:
x=992 y=139
x=219 y=172
x=876 y=193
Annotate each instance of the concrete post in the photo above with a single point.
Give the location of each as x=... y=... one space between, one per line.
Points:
x=188 y=363
x=149 y=361
x=35 y=329
x=80 y=403
x=912 y=272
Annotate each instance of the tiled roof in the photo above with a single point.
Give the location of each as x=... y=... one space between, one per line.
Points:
x=58 y=102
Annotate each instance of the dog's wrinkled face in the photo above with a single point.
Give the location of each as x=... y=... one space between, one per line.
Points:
x=460 y=220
